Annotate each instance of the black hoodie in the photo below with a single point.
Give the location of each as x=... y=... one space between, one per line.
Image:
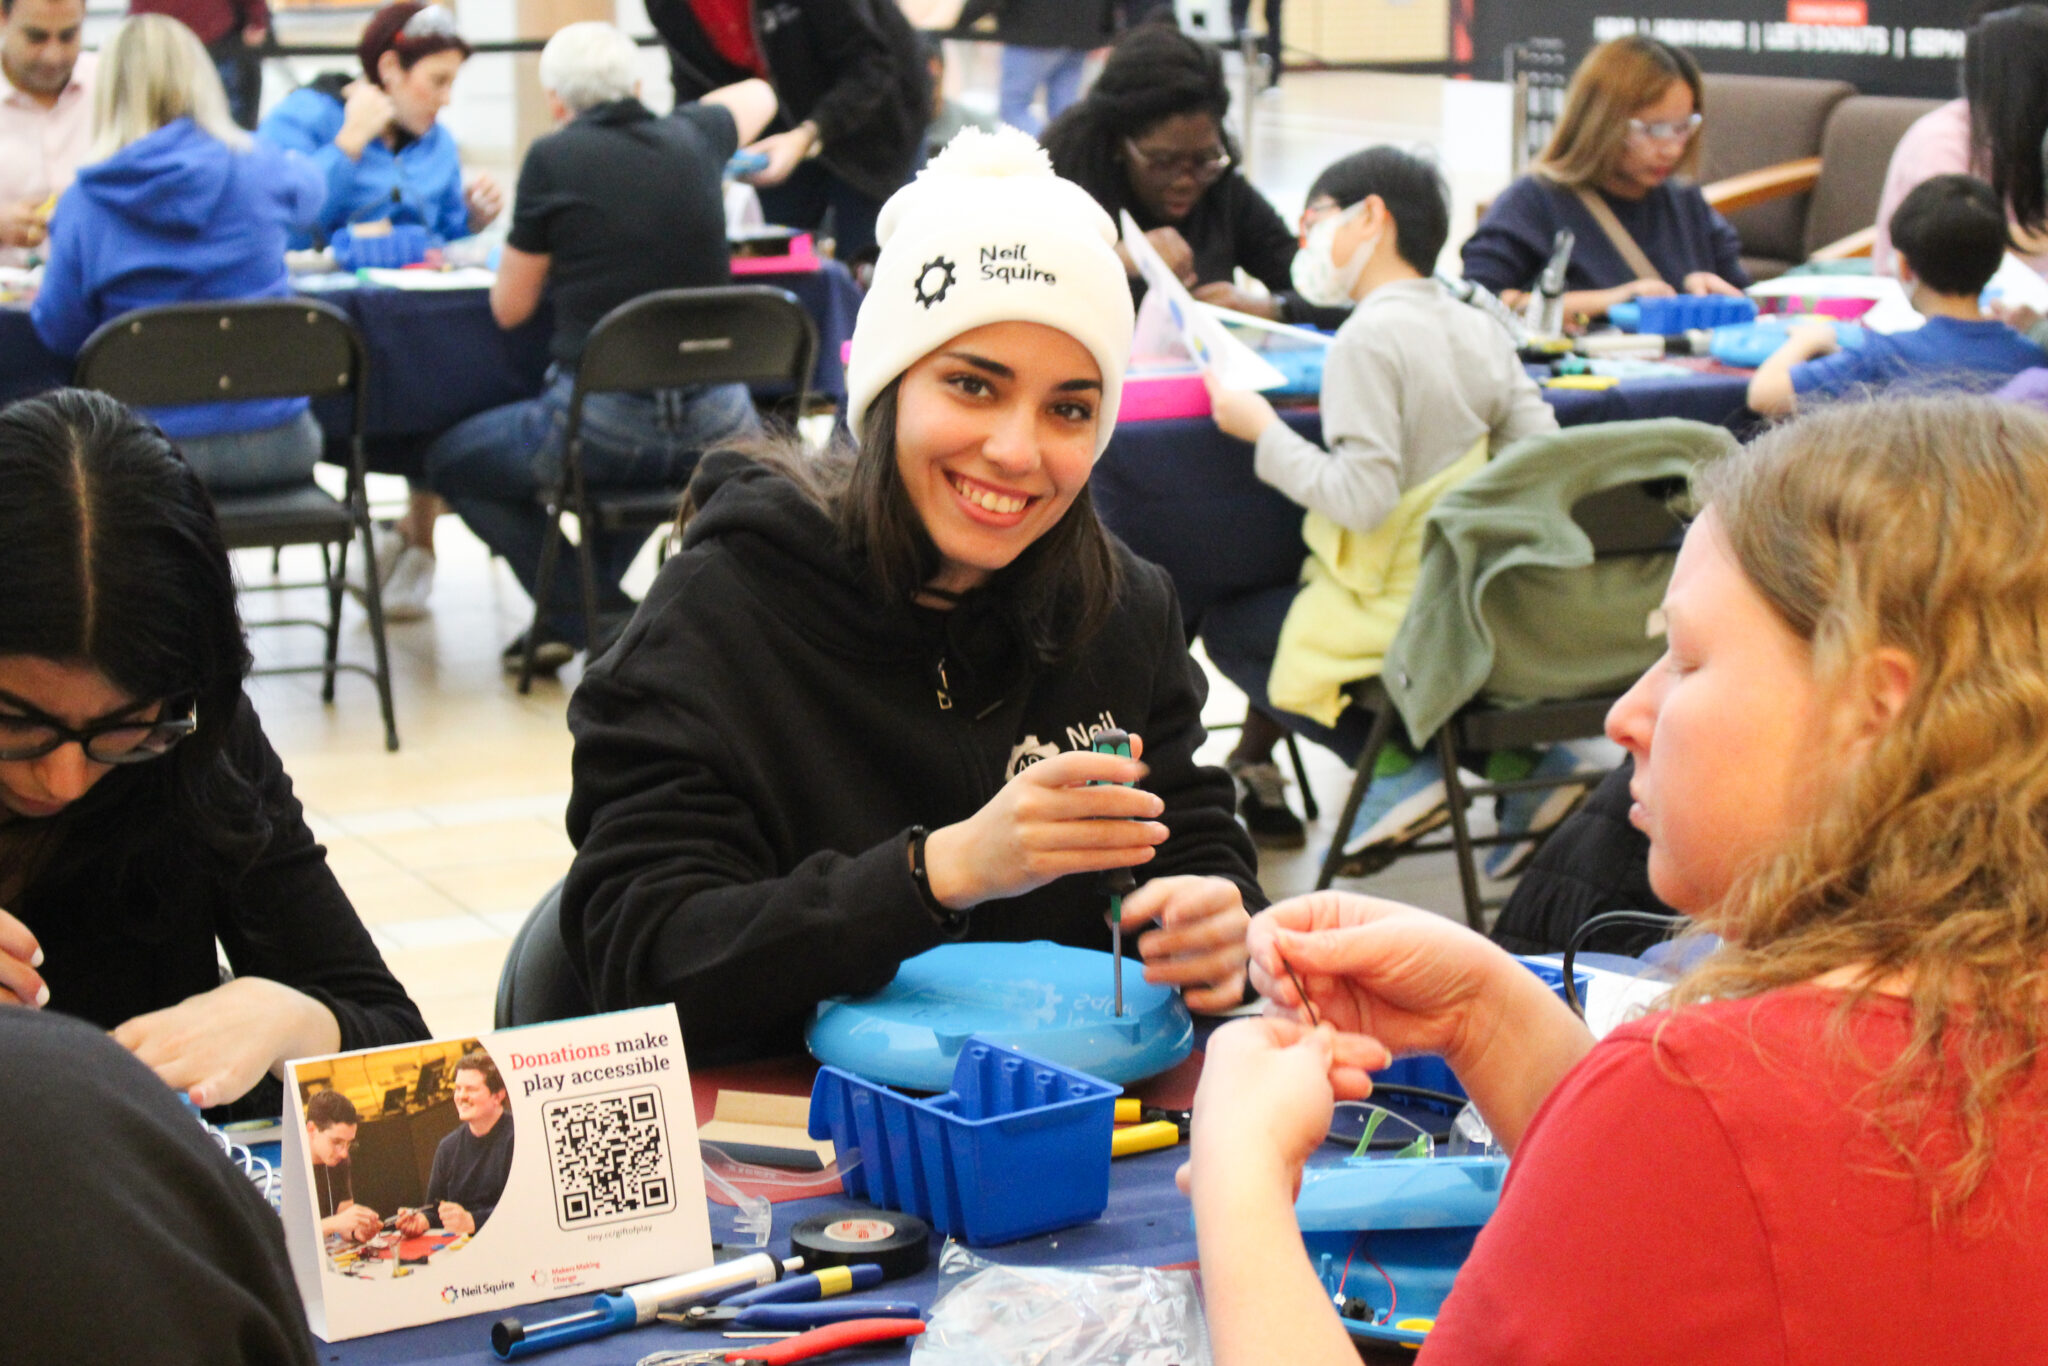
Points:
x=751 y=755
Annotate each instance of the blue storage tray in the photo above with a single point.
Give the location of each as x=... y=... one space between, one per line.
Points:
x=405 y=245
x=1018 y=1147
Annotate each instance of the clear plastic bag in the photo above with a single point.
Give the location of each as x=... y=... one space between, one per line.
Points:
x=1061 y=1316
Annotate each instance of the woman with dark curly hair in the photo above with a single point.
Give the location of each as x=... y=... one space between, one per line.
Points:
x=143 y=817
x=1149 y=138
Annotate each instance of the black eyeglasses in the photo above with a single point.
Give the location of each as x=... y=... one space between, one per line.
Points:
x=34 y=734
x=1204 y=167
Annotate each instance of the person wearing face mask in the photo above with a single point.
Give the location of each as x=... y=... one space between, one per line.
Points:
x=1631 y=123
x=853 y=717
x=1417 y=391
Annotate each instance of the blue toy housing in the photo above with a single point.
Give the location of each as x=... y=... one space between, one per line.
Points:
x=1018 y=1147
x=1053 y=1001
x=1415 y=1219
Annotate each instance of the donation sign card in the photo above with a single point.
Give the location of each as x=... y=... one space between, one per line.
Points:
x=435 y=1180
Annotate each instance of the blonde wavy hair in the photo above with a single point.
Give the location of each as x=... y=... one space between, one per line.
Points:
x=1616 y=79
x=1915 y=524
x=154 y=71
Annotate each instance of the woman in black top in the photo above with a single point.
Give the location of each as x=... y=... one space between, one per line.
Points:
x=1630 y=125
x=854 y=717
x=1149 y=137
x=143 y=817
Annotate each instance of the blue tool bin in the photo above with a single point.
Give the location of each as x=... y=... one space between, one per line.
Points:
x=405 y=245
x=1018 y=1147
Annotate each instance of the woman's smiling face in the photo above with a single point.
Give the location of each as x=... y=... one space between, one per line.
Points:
x=995 y=438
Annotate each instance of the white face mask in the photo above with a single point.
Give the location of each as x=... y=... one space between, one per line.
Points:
x=1316 y=275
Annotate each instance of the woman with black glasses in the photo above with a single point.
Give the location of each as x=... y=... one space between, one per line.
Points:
x=1149 y=138
x=143 y=816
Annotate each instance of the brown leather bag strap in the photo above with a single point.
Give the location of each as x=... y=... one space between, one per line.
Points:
x=1617 y=235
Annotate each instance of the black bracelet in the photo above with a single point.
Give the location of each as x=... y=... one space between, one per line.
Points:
x=951 y=921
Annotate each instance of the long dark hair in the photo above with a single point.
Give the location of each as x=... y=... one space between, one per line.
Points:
x=110 y=556
x=2005 y=80
x=1154 y=72
x=1058 y=593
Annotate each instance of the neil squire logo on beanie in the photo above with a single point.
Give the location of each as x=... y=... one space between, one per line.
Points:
x=988 y=234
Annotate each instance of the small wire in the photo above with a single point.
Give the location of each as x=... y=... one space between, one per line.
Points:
x=1346 y=1275
x=1393 y=1295
x=1312 y=1020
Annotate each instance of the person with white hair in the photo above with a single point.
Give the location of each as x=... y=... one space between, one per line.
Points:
x=615 y=203
x=175 y=204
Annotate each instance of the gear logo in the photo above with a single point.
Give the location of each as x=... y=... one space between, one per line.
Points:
x=934 y=280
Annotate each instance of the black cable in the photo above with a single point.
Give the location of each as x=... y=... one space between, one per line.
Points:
x=1648 y=920
x=1390 y=1088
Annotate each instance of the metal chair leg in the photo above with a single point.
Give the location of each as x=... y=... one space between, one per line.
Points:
x=1361 y=783
x=1308 y=794
x=543 y=584
x=373 y=604
x=586 y=556
x=1461 y=831
x=334 y=575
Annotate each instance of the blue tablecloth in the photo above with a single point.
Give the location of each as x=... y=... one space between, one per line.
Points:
x=1148 y=1223
x=1182 y=494
x=437 y=357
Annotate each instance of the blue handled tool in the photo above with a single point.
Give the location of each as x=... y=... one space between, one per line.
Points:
x=793 y=1317
x=816 y=1285
x=616 y=1311
x=1119 y=881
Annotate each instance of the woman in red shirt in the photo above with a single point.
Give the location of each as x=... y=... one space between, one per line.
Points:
x=1824 y=1150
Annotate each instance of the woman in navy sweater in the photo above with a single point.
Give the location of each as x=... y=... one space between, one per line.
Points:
x=1631 y=123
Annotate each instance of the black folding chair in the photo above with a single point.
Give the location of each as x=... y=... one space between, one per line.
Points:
x=671 y=339
x=1629 y=519
x=252 y=349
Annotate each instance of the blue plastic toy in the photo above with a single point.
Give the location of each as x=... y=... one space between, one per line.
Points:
x=1681 y=313
x=1018 y=1147
x=1413 y=1219
x=1751 y=344
x=1054 y=1001
x=405 y=244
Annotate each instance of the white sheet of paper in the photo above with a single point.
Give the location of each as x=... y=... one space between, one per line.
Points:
x=1235 y=365
x=2016 y=283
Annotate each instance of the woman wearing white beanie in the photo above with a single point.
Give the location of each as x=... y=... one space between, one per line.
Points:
x=852 y=718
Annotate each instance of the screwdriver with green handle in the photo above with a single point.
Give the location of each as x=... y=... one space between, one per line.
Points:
x=1119 y=881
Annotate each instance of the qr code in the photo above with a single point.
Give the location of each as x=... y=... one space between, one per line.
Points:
x=610 y=1158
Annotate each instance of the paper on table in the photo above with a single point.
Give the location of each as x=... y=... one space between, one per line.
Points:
x=1890 y=310
x=2016 y=283
x=469 y=277
x=1235 y=365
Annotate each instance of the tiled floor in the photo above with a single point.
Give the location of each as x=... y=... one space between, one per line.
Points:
x=445 y=845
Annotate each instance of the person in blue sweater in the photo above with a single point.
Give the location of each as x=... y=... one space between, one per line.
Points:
x=1949 y=235
x=386 y=158
x=1630 y=125
x=379 y=140
x=176 y=204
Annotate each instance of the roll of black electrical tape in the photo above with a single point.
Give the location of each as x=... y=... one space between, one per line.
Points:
x=899 y=1243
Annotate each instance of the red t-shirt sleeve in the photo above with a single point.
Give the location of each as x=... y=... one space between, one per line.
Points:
x=1626 y=1233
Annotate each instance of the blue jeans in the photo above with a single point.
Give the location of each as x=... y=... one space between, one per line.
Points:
x=812 y=191
x=1025 y=69
x=267 y=458
x=492 y=467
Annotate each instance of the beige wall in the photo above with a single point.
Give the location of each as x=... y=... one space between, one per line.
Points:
x=1368 y=30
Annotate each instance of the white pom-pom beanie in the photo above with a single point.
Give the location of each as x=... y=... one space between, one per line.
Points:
x=987 y=234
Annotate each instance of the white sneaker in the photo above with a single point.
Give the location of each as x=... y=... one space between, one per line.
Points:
x=407 y=586
x=405 y=573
